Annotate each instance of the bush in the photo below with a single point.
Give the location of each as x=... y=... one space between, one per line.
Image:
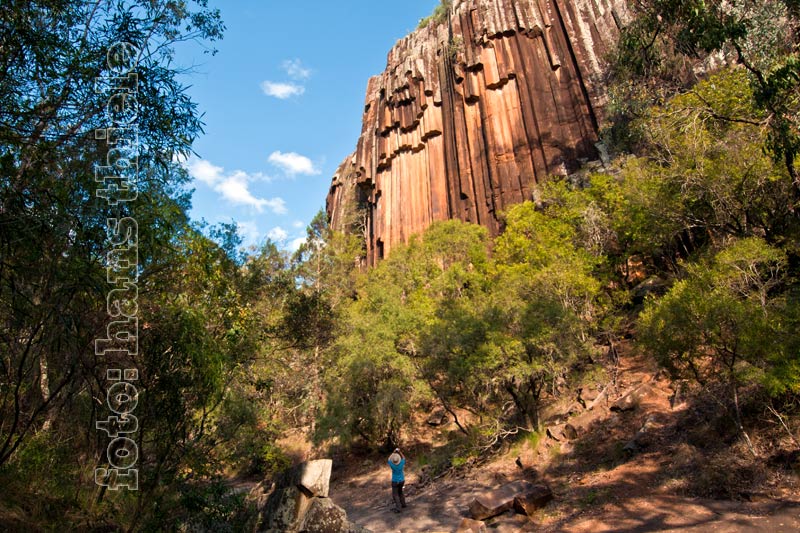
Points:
x=439 y=15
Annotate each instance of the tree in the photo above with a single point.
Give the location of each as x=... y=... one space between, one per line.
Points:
x=668 y=37
x=379 y=366
x=53 y=220
x=93 y=122
x=545 y=298
x=701 y=176
x=720 y=324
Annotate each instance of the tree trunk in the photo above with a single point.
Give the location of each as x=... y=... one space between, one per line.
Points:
x=44 y=387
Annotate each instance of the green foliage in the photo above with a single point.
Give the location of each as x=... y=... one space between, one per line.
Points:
x=702 y=176
x=455 y=46
x=666 y=38
x=206 y=505
x=439 y=15
x=546 y=302
x=457 y=462
x=713 y=325
x=441 y=317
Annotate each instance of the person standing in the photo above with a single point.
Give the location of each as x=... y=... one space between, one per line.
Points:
x=397 y=461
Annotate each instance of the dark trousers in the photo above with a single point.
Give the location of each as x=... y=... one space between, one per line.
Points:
x=397 y=494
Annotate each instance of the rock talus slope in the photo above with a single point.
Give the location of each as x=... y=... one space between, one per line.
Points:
x=472 y=112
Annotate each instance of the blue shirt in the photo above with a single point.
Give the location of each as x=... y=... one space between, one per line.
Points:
x=397 y=471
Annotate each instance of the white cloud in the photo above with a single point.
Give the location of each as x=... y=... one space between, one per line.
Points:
x=204 y=171
x=248 y=230
x=235 y=189
x=277 y=205
x=295 y=69
x=278 y=234
x=293 y=163
x=281 y=90
x=295 y=244
x=298 y=224
x=233 y=186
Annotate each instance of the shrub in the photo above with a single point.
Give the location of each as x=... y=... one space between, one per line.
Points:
x=439 y=15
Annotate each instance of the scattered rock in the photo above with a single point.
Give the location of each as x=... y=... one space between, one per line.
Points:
x=587 y=395
x=602 y=395
x=469 y=525
x=642 y=437
x=633 y=398
x=509 y=522
x=677 y=397
x=535 y=498
x=562 y=432
x=584 y=421
x=438 y=417
x=652 y=285
x=630 y=448
x=556 y=432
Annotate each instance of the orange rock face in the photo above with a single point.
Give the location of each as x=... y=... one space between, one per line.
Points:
x=470 y=114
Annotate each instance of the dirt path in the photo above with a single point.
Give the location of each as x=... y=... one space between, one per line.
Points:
x=440 y=508
x=665 y=513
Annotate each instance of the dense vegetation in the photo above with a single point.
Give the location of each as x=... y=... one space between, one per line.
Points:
x=237 y=348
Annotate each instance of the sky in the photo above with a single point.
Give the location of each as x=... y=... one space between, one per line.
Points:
x=282 y=102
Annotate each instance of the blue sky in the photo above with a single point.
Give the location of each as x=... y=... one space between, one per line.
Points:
x=282 y=102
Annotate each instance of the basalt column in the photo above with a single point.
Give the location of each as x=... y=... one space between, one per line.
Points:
x=471 y=113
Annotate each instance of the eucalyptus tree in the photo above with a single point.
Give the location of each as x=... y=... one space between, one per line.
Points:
x=94 y=120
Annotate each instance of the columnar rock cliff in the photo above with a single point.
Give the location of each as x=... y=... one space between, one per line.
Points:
x=472 y=112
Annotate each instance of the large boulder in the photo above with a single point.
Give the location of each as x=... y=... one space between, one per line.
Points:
x=535 y=498
x=324 y=516
x=315 y=477
x=298 y=502
x=283 y=509
x=632 y=398
x=498 y=501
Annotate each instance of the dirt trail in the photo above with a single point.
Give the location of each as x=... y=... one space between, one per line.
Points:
x=438 y=507
x=627 y=493
x=441 y=506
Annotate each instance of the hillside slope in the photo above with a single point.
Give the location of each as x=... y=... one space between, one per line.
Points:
x=655 y=484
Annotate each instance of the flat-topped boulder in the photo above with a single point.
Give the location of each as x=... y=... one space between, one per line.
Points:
x=633 y=397
x=315 y=477
x=298 y=502
x=535 y=498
